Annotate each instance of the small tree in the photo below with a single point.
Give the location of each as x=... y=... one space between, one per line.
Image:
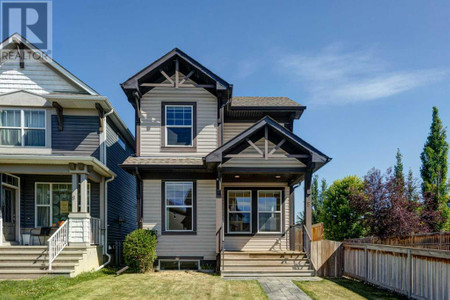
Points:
x=434 y=169
x=399 y=177
x=139 y=250
x=317 y=198
x=340 y=220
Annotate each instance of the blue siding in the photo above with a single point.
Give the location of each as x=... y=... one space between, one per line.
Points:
x=27 y=194
x=79 y=137
x=121 y=191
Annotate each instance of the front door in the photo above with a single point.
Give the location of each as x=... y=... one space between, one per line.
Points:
x=9 y=214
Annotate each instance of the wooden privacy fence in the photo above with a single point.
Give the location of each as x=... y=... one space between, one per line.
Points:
x=417 y=273
x=435 y=240
x=326 y=256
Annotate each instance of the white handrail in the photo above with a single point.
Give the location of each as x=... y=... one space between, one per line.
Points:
x=57 y=242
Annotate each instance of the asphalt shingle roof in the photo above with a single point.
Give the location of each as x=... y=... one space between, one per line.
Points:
x=263 y=101
x=134 y=161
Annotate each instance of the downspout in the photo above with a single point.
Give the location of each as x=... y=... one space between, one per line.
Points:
x=105 y=217
x=105 y=248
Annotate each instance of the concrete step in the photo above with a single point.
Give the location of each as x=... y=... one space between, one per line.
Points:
x=32 y=273
x=39 y=252
x=32 y=258
x=37 y=265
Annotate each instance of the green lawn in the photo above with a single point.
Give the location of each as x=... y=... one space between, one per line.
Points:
x=104 y=285
x=343 y=288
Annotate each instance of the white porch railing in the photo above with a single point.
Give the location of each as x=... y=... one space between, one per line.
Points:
x=95 y=231
x=57 y=242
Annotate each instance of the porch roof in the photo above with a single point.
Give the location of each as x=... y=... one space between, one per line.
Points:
x=279 y=135
x=98 y=166
x=134 y=161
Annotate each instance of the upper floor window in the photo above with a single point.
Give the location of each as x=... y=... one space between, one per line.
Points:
x=22 y=127
x=179 y=125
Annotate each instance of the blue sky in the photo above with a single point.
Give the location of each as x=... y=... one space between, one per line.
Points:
x=369 y=73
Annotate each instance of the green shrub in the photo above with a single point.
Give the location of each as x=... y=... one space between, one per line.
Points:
x=139 y=250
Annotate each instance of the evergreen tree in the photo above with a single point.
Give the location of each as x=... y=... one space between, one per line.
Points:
x=434 y=170
x=399 y=178
x=317 y=194
x=411 y=187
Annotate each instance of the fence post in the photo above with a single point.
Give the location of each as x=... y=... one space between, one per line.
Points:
x=409 y=274
x=366 y=262
x=440 y=240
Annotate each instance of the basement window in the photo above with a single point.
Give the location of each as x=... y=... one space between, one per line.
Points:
x=177 y=265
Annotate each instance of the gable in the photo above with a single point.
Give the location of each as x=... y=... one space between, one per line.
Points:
x=36 y=76
x=272 y=132
x=259 y=162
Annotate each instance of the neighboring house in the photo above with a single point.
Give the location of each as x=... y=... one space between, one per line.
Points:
x=216 y=173
x=61 y=144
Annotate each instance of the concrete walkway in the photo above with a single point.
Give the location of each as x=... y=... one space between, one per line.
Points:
x=278 y=288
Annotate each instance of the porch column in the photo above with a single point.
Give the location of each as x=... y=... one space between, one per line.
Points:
x=308 y=200
x=83 y=193
x=74 y=192
x=80 y=221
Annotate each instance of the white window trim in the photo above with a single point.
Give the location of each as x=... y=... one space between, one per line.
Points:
x=166 y=138
x=181 y=206
x=23 y=128
x=51 y=200
x=271 y=212
x=178 y=260
x=228 y=213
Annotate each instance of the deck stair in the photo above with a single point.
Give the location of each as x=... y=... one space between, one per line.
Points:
x=31 y=262
x=265 y=264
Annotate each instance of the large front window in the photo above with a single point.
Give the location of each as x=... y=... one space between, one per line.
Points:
x=54 y=203
x=179 y=125
x=22 y=127
x=179 y=206
x=269 y=211
x=239 y=211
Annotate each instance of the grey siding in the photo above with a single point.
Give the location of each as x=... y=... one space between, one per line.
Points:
x=151 y=119
x=201 y=244
x=79 y=137
x=262 y=242
x=121 y=191
x=27 y=195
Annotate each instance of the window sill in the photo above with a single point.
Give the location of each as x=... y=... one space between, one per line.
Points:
x=178 y=233
x=178 y=149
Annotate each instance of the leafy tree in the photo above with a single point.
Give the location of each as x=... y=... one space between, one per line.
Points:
x=340 y=220
x=385 y=206
x=434 y=170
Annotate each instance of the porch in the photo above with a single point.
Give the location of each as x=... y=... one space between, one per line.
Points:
x=34 y=207
x=50 y=209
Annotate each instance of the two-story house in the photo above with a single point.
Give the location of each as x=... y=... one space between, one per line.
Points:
x=64 y=198
x=217 y=173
